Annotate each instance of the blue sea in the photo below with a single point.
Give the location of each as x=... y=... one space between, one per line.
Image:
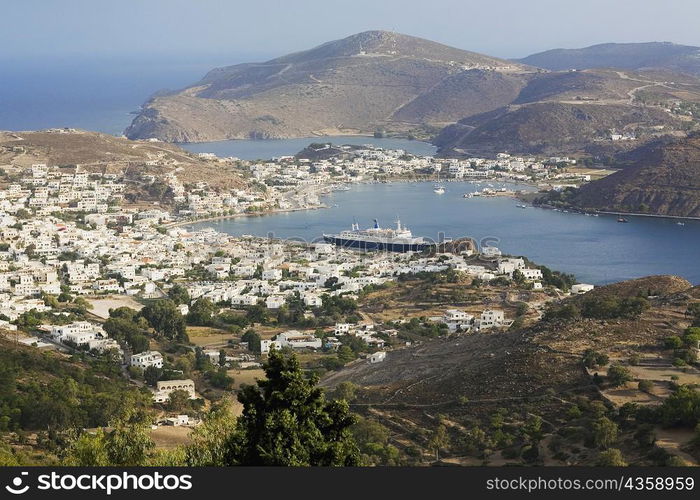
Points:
x=91 y=93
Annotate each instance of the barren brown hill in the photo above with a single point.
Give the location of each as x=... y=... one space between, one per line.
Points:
x=551 y=127
x=659 y=178
x=96 y=152
x=367 y=81
x=576 y=111
x=481 y=385
x=665 y=55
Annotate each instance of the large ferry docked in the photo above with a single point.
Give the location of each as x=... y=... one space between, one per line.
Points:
x=376 y=238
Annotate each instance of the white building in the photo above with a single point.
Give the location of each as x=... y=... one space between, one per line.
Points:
x=165 y=387
x=456 y=319
x=491 y=318
x=293 y=339
x=148 y=358
x=490 y=252
x=581 y=288
x=377 y=357
x=532 y=274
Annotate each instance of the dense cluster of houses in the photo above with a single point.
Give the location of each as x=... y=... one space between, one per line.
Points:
x=366 y=163
x=68 y=233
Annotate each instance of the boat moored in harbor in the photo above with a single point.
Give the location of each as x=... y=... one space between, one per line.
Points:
x=399 y=239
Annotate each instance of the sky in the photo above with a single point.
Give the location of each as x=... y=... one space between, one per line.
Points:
x=219 y=30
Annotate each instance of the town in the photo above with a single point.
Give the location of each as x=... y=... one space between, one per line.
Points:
x=76 y=252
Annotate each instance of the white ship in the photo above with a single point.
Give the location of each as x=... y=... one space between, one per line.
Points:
x=376 y=238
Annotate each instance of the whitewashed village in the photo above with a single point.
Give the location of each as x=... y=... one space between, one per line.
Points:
x=74 y=253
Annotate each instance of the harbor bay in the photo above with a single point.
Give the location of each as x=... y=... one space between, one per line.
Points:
x=598 y=249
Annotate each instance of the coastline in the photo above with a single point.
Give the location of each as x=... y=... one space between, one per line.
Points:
x=656 y=216
x=235 y=216
x=318 y=136
x=512 y=194
x=618 y=213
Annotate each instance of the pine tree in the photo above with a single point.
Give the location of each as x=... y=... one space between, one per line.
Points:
x=287 y=421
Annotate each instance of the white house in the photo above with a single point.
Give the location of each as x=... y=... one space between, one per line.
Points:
x=456 y=319
x=342 y=328
x=377 y=357
x=490 y=252
x=268 y=345
x=275 y=301
x=145 y=359
x=532 y=274
x=165 y=387
x=491 y=318
x=581 y=288
x=298 y=340
x=272 y=274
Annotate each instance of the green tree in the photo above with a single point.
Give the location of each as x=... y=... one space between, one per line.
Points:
x=257 y=314
x=594 y=359
x=673 y=342
x=210 y=442
x=202 y=312
x=439 y=440
x=604 y=432
x=533 y=429
x=165 y=318
x=681 y=408
x=287 y=421
x=152 y=375
x=373 y=440
x=178 y=400
x=219 y=378
x=345 y=390
x=619 y=375
x=646 y=386
x=128 y=444
x=179 y=294
x=126 y=327
x=611 y=458
x=253 y=340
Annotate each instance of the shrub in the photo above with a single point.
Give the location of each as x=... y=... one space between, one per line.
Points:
x=618 y=375
x=611 y=458
x=646 y=386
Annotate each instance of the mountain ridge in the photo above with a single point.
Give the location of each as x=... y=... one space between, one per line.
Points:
x=662 y=177
x=665 y=55
x=348 y=86
x=380 y=82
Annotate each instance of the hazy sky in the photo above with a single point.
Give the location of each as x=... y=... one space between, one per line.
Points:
x=222 y=29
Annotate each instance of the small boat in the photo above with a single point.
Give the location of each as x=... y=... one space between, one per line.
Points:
x=438 y=188
x=680 y=223
x=622 y=219
x=468 y=195
x=521 y=206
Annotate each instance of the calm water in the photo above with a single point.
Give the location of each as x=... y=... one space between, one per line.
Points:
x=255 y=150
x=596 y=249
x=91 y=93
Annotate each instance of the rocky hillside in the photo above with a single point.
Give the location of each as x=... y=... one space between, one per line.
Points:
x=480 y=386
x=402 y=85
x=660 y=178
x=577 y=111
x=657 y=55
x=104 y=153
x=367 y=81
